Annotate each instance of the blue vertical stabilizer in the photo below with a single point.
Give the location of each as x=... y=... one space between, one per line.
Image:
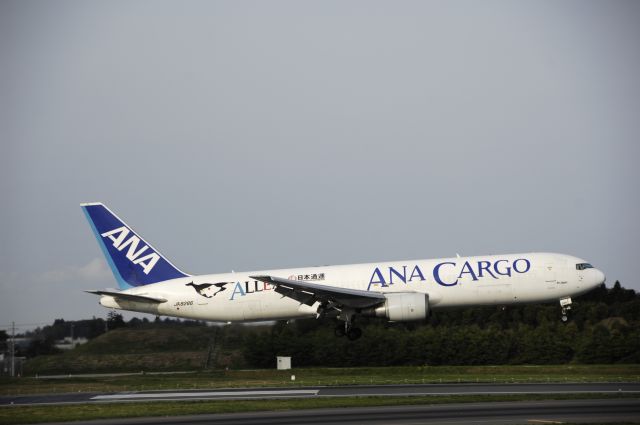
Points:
x=133 y=261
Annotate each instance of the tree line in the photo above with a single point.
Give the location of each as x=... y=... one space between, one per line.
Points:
x=604 y=328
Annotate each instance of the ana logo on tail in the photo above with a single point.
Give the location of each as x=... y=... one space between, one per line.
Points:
x=119 y=238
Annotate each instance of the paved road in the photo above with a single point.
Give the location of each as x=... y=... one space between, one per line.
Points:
x=531 y=413
x=344 y=391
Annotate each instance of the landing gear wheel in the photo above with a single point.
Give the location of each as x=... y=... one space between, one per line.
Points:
x=339 y=331
x=354 y=333
x=564 y=318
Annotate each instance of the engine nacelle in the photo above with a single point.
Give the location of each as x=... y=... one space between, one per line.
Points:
x=402 y=307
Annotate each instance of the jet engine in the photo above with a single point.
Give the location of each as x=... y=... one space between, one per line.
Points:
x=401 y=307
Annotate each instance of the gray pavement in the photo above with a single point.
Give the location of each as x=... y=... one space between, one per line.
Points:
x=538 y=412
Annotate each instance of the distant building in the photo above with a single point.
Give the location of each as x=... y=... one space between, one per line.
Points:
x=69 y=343
x=21 y=342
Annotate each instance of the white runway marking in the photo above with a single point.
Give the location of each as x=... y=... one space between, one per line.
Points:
x=205 y=394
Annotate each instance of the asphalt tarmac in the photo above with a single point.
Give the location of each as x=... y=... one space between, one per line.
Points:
x=531 y=413
x=341 y=391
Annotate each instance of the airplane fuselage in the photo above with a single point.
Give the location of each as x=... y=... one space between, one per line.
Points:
x=449 y=282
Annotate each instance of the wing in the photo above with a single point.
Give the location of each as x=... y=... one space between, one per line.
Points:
x=130 y=297
x=309 y=293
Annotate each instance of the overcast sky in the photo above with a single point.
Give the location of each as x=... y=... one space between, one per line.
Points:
x=250 y=135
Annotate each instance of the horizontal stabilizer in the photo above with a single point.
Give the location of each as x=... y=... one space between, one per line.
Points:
x=130 y=297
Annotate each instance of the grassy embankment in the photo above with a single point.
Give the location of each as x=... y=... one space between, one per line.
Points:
x=131 y=350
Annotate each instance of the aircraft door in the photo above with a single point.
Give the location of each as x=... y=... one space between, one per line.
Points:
x=550 y=275
x=562 y=277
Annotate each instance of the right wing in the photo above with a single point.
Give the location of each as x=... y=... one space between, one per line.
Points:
x=130 y=297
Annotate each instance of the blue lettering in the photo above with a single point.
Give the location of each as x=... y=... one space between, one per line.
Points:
x=380 y=280
x=515 y=265
x=506 y=271
x=402 y=277
x=466 y=268
x=416 y=273
x=237 y=290
x=484 y=265
x=436 y=274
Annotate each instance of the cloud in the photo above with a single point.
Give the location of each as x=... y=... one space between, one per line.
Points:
x=27 y=297
x=95 y=270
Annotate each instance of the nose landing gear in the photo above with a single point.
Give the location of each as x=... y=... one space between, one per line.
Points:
x=565 y=305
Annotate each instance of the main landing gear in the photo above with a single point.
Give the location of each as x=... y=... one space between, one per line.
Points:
x=565 y=305
x=347 y=329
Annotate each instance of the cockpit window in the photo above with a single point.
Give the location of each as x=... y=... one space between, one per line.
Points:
x=582 y=266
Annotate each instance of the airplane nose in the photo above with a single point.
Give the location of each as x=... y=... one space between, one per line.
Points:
x=599 y=278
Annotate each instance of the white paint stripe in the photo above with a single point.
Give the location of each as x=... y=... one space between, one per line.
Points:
x=204 y=394
x=257 y=393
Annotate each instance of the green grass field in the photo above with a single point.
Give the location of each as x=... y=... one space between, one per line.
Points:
x=323 y=376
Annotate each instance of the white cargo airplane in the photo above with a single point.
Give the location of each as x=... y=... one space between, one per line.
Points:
x=395 y=290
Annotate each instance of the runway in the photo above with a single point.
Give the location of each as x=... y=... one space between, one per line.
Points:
x=338 y=391
x=531 y=413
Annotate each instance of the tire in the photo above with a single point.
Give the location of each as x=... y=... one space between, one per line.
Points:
x=354 y=333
